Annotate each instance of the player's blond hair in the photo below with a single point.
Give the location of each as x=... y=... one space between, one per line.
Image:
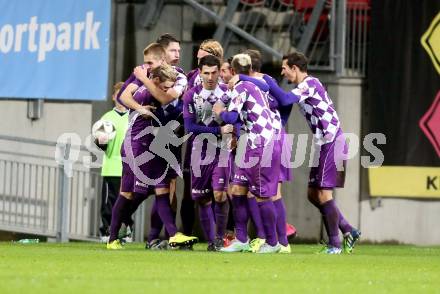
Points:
x=165 y=73
x=241 y=63
x=213 y=47
x=156 y=50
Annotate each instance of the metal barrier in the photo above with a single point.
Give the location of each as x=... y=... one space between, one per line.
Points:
x=358 y=22
x=39 y=196
x=333 y=34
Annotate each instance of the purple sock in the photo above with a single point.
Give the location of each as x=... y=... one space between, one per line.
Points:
x=344 y=225
x=137 y=200
x=207 y=222
x=167 y=236
x=156 y=223
x=187 y=215
x=268 y=215
x=241 y=217
x=120 y=208
x=254 y=211
x=166 y=213
x=221 y=210
x=330 y=214
x=187 y=209
x=231 y=225
x=280 y=210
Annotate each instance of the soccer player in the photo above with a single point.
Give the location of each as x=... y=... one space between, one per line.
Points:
x=156 y=54
x=111 y=171
x=187 y=213
x=262 y=127
x=172 y=48
x=225 y=71
x=134 y=167
x=285 y=174
x=208 y=47
x=213 y=178
x=319 y=111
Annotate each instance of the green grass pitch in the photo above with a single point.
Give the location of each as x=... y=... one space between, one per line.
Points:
x=90 y=268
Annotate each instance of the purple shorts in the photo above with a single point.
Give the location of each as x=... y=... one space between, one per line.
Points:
x=331 y=164
x=259 y=178
x=212 y=177
x=143 y=177
x=286 y=173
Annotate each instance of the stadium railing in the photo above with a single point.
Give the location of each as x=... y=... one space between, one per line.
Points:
x=40 y=196
x=333 y=34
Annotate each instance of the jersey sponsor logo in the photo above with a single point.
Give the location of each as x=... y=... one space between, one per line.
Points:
x=200 y=191
x=240 y=177
x=137 y=183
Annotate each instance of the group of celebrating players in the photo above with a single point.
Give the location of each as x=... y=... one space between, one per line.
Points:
x=234 y=119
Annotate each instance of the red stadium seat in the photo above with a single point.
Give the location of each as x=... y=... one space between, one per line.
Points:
x=358 y=4
x=359 y=11
x=302 y=5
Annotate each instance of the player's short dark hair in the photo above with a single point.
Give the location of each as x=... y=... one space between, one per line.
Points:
x=155 y=49
x=166 y=39
x=230 y=60
x=298 y=59
x=255 y=58
x=209 y=60
x=241 y=64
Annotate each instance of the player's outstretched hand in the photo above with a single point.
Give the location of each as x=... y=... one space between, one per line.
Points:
x=227 y=129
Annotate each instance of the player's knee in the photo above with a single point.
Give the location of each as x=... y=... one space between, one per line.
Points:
x=161 y=191
x=238 y=190
x=128 y=195
x=204 y=201
x=324 y=196
x=276 y=197
x=219 y=196
x=262 y=199
x=173 y=186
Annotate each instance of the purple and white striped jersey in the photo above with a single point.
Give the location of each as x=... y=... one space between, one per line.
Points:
x=198 y=103
x=260 y=123
x=318 y=109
